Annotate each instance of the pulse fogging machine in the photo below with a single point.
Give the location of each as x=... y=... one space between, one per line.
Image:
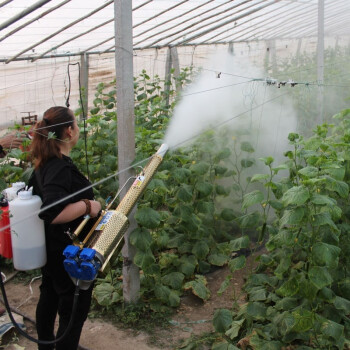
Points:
x=83 y=260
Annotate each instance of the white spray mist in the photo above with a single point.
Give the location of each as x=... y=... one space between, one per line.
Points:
x=224 y=93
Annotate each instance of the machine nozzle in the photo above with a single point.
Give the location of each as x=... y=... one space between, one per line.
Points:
x=162 y=150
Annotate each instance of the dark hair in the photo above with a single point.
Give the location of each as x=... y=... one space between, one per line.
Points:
x=55 y=121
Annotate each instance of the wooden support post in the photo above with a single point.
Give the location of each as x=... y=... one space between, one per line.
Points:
x=126 y=131
x=167 y=76
x=172 y=61
x=176 y=66
x=320 y=60
x=84 y=83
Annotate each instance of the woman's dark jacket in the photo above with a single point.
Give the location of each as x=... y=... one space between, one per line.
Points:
x=57 y=179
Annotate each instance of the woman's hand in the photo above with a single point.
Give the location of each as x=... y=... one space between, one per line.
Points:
x=11 y=140
x=95 y=208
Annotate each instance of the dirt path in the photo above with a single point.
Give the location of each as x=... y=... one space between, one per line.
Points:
x=193 y=317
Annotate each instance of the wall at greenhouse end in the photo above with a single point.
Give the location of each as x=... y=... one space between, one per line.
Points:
x=33 y=87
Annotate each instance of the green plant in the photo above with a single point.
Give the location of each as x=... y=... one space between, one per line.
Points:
x=185 y=226
x=16 y=165
x=299 y=293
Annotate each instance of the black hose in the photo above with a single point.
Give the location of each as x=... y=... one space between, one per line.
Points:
x=44 y=342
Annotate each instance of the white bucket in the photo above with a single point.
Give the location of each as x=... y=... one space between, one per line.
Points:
x=28 y=236
x=11 y=192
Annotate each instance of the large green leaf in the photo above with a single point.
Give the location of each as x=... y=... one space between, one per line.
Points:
x=262 y=344
x=198 y=287
x=324 y=254
x=320 y=276
x=184 y=193
x=147 y=217
x=259 y=177
x=257 y=294
x=222 y=320
x=220 y=170
x=320 y=199
x=228 y=214
x=256 y=310
x=237 y=263
x=166 y=295
x=173 y=280
x=224 y=346
x=303 y=320
x=181 y=174
x=221 y=190
x=332 y=329
x=106 y=294
x=292 y=217
x=218 y=259
x=247 y=147
x=157 y=185
x=340 y=187
x=247 y=162
x=284 y=237
x=252 y=198
x=249 y=220
x=176 y=241
x=183 y=211
x=187 y=265
x=323 y=219
x=283 y=267
x=204 y=188
x=141 y=239
x=342 y=304
x=224 y=153
x=233 y=331
x=162 y=238
x=205 y=207
x=328 y=295
x=287 y=303
x=309 y=171
x=200 y=168
x=296 y=196
x=289 y=288
x=200 y=250
x=336 y=172
x=307 y=289
x=144 y=259
x=239 y=243
x=267 y=160
x=166 y=259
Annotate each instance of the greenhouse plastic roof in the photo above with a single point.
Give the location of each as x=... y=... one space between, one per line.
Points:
x=32 y=29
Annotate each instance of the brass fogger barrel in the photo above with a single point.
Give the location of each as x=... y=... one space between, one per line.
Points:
x=109 y=233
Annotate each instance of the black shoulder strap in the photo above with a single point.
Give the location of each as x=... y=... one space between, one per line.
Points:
x=35 y=181
x=38 y=181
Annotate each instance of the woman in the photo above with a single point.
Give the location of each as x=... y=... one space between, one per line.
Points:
x=55 y=179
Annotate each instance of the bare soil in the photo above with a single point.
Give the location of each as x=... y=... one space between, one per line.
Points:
x=193 y=317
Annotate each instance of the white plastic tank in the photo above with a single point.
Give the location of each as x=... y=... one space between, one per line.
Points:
x=28 y=235
x=11 y=192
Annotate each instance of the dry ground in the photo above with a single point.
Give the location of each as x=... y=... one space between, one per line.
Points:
x=192 y=318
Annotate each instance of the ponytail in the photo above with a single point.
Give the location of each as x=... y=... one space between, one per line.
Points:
x=48 y=134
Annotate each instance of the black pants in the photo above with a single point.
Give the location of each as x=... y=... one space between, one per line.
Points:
x=56 y=296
